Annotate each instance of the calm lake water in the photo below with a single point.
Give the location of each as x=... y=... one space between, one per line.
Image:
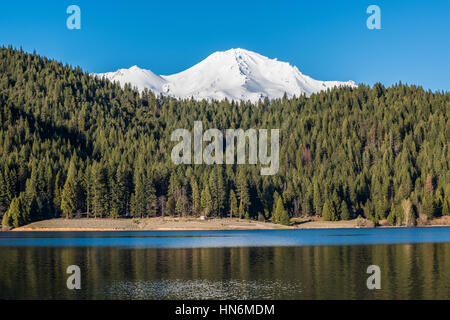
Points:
x=269 y=264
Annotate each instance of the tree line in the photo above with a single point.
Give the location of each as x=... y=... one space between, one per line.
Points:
x=75 y=145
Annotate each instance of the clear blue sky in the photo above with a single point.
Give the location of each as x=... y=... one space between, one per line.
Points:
x=327 y=40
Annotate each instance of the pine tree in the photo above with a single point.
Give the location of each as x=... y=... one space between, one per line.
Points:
x=150 y=194
x=438 y=203
x=446 y=201
x=15 y=213
x=196 y=205
x=179 y=207
x=32 y=185
x=233 y=204
x=100 y=194
x=162 y=205
x=206 y=202
x=221 y=192
x=391 y=216
x=4 y=201
x=275 y=218
x=32 y=212
x=326 y=213
x=243 y=194
x=57 y=194
x=6 y=220
x=334 y=206
x=182 y=203
x=241 y=210
x=428 y=206
x=170 y=206
x=345 y=213
x=174 y=186
x=213 y=190
x=139 y=199
x=446 y=207
x=68 y=198
x=117 y=206
x=399 y=214
x=282 y=213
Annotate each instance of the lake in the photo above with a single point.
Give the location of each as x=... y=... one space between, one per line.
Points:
x=258 y=264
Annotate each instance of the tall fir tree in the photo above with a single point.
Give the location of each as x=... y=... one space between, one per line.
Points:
x=68 y=198
x=233 y=204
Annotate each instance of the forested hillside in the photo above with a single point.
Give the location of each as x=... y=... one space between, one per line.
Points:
x=73 y=145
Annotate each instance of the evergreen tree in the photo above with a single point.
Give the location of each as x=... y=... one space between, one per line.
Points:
x=326 y=213
x=275 y=217
x=243 y=194
x=221 y=192
x=233 y=204
x=144 y=201
x=438 y=203
x=68 y=198
x=345 y=213
x=428 y=206
x=196 y=205
x=317 y=200
x=206 y=202
x=399 y=215
x=282 y=213
x=151 y=199
x=182 y=203
x=117 y=193
x=446 y=207
x=6 y=220
x=170 y=206
x=241 y=210
x=213 y=190
x=446 y=201
x=371 y=147
x=391 y=216
x=4 y=199
x=57 y=193
x=334 y=207
x=100 y=194
x=14 y=216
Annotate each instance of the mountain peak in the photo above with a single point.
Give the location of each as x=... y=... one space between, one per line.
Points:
x=235 y=74
x=239 y=55
x=235 y=52
x=241 y=52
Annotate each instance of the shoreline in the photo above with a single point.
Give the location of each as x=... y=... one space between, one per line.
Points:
x=148 y=224
x=196 y=224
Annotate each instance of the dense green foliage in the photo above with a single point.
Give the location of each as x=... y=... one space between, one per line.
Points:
x=71 y=144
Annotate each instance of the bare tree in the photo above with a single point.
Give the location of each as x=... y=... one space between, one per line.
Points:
x=410 y=219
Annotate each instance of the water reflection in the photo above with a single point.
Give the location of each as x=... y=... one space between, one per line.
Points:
x=409 y=271
x=202 y=289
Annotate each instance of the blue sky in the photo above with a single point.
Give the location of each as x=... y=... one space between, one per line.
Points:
x=327 y=40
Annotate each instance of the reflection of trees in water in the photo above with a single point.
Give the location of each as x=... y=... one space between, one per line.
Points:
x=407 y=271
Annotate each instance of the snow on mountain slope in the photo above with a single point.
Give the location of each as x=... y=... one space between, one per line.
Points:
x=236 y=74
x=137 y=77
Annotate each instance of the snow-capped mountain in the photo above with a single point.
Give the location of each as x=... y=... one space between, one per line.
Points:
x=236 y=74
